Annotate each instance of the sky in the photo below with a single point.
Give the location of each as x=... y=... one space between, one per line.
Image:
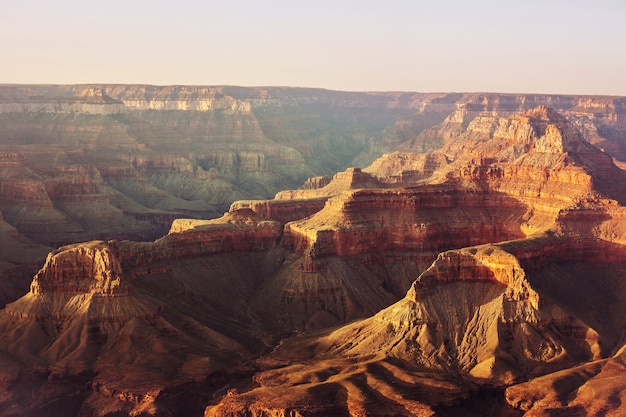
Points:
x=532 y=46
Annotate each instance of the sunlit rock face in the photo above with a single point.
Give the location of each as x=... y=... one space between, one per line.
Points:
x=487 y=314
x=424 y=284
x=147 y=154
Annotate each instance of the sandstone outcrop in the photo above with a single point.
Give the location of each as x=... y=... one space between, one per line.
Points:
x=406 y=219
x=599 y=119
x=183 y=151
x=81 y=279
x=282 y=210
x=147 y=154
x=484 y=315
x=350 y=179
x=460 y=272
x=314 y=183
x=489 y=313
x=100 y=308
x=291 y=205
x=509 y=331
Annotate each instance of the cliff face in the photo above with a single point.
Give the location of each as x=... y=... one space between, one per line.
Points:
x=488 y=314
x=500 y=328
x=483 y=314
x=599 y=119
x=169 y=314
x=81 y=279
x=146 y=154
x=154 y=153
x=460 y=271
x=405 y=219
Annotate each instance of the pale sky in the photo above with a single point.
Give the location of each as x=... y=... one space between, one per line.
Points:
x=533 y=46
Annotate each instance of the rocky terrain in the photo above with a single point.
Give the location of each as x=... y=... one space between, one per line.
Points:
x=481 y=317
x=477 y=268
x=146 y=155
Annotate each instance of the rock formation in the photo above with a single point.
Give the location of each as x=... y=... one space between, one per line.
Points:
x=476 y=274
x=150 y=154
x=484 y=316
x=117 y=318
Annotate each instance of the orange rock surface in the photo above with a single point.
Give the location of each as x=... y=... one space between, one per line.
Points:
x=486 y=273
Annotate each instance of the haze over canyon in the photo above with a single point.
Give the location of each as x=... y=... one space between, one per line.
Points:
x=233 y=251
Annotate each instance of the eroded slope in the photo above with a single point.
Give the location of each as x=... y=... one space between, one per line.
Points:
x=484 y=316
x=464 y=276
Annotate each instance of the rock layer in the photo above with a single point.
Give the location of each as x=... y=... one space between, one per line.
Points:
x=152 y=153
x=460 y=272
x=487 y=314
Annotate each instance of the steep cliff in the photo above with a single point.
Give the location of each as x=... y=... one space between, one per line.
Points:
x=147 y=154
x=134 y=323
x=154 y=153
x=481 y=317
x=478 y=319
x=500 y=328
x=454 y=274
x=428 y=218
x=599 y=119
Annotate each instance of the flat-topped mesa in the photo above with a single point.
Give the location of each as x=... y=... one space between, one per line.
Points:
x=283 y=211
x=535 y=254
x=89 y=267
x=428 y=218
x=350 y=179
x=80 y=274
x=406 y=168
x=353 y=178
x=315 y=183
x=236 y=231
x=475 y=264
x=82 y=280
x=507 y=263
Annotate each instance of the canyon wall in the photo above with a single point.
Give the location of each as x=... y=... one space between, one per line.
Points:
x=147 y=154
x=485 y=315
x=493 y=255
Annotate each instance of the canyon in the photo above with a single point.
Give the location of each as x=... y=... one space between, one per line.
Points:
x=476 y=262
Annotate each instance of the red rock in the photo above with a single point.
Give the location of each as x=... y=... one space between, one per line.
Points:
x=420 y=219
x=491 y=312
x=511 y=214
x=316 y=182
x=283 y=211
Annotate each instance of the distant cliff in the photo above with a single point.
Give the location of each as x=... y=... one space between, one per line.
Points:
x=84 y=162
x=144 y=154
x=427 y=283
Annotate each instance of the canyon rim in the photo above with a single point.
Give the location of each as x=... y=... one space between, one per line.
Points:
x=233 y=251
